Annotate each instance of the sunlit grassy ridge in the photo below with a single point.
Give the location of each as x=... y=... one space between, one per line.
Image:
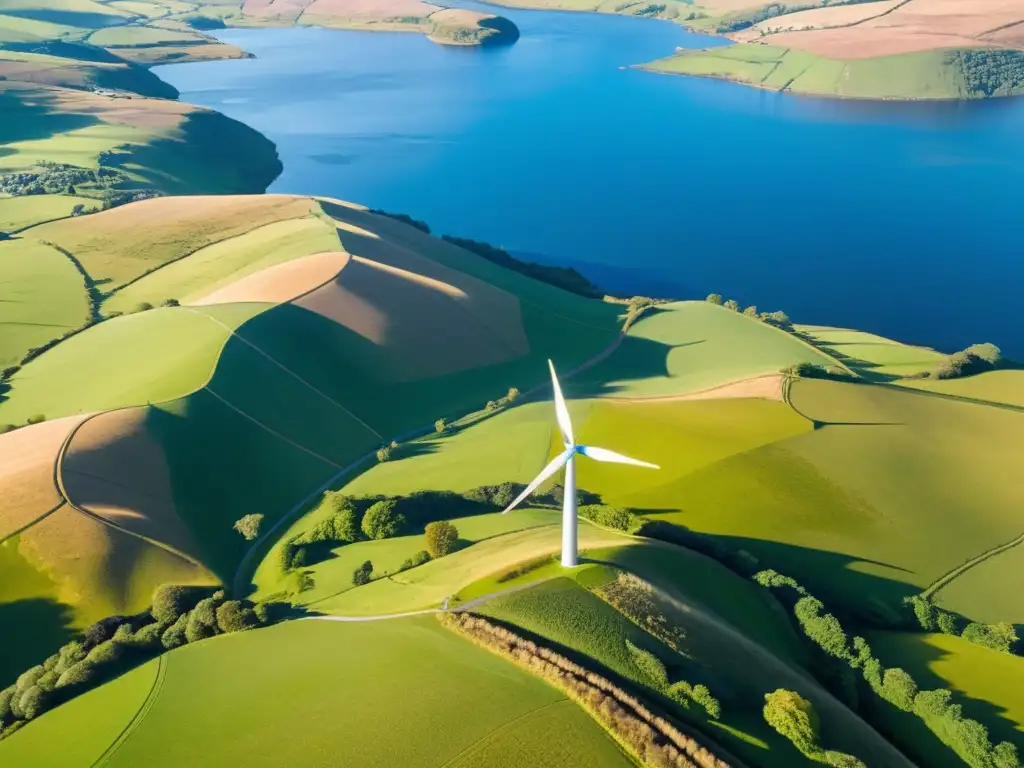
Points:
x=502 y=712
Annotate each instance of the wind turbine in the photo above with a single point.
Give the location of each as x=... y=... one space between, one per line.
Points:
x=568 y=459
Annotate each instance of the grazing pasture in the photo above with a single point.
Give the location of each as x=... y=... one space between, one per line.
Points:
x=1006 y=387
x=988 y=684
x=690 y=346
x=428 y=585
x=333 y=575
x=44 y=297
x=849 y=506
x=871 y=356
x=264 y=708
x=147 y=357
x=26 y=210
x=227 y=261
x=125 y=243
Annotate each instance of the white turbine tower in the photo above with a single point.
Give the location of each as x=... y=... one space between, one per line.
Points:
x=568 y=459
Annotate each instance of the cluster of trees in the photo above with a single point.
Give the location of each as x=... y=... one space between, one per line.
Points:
x=968 y=738
x=977 y=358
x=792 y=716
x=682 y=692
x=50 y=178
x=566 y=278
x=650 y=737
x=354 y=519
x=619 y=518
x=816 y=371
x=992 y=72
x=442 y=539
x=249 y=526
x=387 y=452
x=111 y=646
x=778 y=318
x=999 y=637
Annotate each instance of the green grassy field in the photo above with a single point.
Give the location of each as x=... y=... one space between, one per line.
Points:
x=334 y=575
x=1006 y=387
x=849 y=506
x=44 y=297
x=224 y=262
x=874 y=357
x=691 y=346
x=988 y=591
x=131 y=360
x=988 y=684
x=428 y=585
x=260 y=707
x=24 y=211
x=115 y=250
x=918 y=75
x=733 y=664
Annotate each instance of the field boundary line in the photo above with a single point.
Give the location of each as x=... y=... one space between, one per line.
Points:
x=157 y=268
x=944 y=581
x=233 y=333
x=140 y=713
x=58 y=478
x=272 y=431
x=289 y=516
x=702 y=394
x=29 y=524
x=487 y=737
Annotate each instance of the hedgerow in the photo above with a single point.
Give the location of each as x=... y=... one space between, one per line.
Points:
x=112 y=646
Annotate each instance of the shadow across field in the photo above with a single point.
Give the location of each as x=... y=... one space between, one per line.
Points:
x=31 y=628
x=41 y=119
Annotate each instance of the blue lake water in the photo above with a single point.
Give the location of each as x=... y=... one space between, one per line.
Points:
x=903 y=219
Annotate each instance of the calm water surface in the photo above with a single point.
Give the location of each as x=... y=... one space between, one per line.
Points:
x=904 y=219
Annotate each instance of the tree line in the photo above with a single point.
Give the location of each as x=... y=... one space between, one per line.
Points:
x=113 y=645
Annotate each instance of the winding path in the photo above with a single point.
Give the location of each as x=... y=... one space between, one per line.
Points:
x=944 y=581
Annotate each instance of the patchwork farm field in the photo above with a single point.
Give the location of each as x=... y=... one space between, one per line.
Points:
x=410 y=671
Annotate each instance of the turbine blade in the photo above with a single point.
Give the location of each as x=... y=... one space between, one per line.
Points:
x=555 y=465
x=561 y=410
x=603 y=454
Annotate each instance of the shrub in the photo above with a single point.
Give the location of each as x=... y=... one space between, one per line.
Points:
x=381 y=521
x=171 y=600
x=948 y=623
x=792 y=716
x=33 y=703
x=174 y=635
x=924 y=612
x=28 y=678
x=684 y=693
x=418 y=559
x=234 y=616
x=148 y=637
x=78 y=674
x=977 y=358
x=271 y=611
x=249 y=526
x=499 y=496
x=442 y=538
x=362 y=574
x=732 y=304
x=36 y=419
x=384 y=453
x=778 y=318
x=5 y=428
x=69 y=655
x=751 y=311
x=171 y=303
x=105 y=653
x=513 y=395
x=440 y=426
x=144 y=306
x=649 y=664
x=202 y=621
x=998 y=637
x=825 y=630
x=1005 y=756
x=714 y=298
x=5 y=705
x=613 y=517
x=290 y=550
x=101 y=631
x=899 y=689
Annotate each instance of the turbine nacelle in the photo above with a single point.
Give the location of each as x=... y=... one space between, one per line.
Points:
x=566 y=459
